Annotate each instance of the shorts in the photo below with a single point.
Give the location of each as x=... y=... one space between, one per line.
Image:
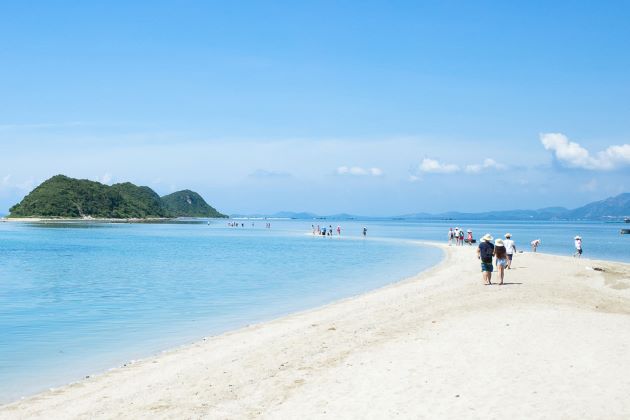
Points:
x=501 y=262
x=486 y=267
x=579 y=251
x=509 y=257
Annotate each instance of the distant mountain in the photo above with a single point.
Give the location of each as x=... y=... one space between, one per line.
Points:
x=188 y=203
x=293 y=215
x=297 y=216
x=614 y=208
x=542 y=214
x=611 y=208
x=62 y=196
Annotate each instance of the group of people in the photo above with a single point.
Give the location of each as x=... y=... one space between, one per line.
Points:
x=457 y=235
x=325 y=231
x=502 y=251
x=237 y=224
x=329 y=231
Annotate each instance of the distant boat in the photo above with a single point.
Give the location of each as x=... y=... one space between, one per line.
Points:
x=625 y=231
x=627 y=220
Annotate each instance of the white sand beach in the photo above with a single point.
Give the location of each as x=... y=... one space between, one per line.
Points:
x=552 y=343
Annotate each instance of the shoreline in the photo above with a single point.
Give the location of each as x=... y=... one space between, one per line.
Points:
x=107 y=220
x=303 y=359
x=255 y=325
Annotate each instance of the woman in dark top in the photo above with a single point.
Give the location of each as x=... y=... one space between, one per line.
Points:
x=500 y=254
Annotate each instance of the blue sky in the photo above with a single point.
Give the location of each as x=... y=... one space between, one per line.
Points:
x=374 y=108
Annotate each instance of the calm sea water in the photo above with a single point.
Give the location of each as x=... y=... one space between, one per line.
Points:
x=76 y=299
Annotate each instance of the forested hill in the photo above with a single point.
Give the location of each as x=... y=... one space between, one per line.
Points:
x=188 y=203
x=62 y=196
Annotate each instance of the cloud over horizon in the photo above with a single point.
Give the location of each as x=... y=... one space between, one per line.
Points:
x=436 y=167
x=573 y=155
x=487 y=164
x=433 y=166
x=359 y=171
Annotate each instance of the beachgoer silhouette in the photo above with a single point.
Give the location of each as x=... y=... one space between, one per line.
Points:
x=578 y=247
x=510 y=249
x=501 y=258
x=535 y=244
x=485 y=251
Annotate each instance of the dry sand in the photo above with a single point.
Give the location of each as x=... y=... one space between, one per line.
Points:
x=552 y=343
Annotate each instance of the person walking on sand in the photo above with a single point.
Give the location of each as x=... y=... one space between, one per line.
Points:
x=500 y=255
x=510 y=249
x=461 y=237
x=535 y=244
x=578 y=247
x=450 y=236
x=485 y=252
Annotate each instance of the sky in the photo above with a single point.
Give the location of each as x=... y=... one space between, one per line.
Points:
x=366 y=107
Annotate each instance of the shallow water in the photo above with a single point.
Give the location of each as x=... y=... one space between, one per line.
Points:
x=76 y=299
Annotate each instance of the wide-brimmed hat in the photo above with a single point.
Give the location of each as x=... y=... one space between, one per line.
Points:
x=578 y=237
x=508 y=235
x=469 y=231
x=487 y=237
x=498 y=242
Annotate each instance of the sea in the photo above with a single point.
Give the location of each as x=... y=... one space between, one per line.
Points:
x=79 y=298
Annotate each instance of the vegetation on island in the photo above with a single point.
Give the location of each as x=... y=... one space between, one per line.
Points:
x=65 y=197
x=188 y=203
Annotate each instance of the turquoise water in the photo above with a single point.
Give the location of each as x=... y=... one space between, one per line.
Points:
x=600 y=240
x=76 y=299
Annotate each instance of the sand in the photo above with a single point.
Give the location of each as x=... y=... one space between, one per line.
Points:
x=552 y=343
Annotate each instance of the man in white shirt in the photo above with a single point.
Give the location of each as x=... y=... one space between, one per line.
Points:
x=510 y=249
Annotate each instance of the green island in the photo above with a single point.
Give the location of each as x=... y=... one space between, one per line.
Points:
x=65 y=197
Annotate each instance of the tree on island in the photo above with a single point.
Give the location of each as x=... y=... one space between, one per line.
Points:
x=65 y=197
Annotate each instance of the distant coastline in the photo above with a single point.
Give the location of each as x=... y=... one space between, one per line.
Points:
x=613 y=209
x=105 y=220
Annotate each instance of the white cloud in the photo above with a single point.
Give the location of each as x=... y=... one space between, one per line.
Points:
x=106 y=179
x=358 y=171
x=376 y=171
x=433 y=166
x=487 y=164
x=573 y=155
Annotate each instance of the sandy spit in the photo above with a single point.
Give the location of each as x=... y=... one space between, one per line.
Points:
x=554 y=342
